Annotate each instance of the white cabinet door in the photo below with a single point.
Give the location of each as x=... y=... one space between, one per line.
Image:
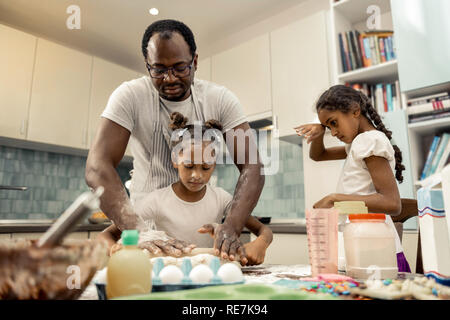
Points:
x=106 y=77
x=17 y=52
x=299 y=70
x=320 y=177
x=287 y=249
x=60 y=96
x=245 y=70
x=203 y=69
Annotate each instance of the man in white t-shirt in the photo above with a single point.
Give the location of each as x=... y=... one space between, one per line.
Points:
x=138 y=113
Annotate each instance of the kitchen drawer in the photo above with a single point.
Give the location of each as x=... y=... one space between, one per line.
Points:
x=4 y=236
x=27 y=235
x=94 y=234
x=78 y=235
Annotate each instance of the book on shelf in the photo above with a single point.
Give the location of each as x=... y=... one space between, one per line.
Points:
x=438 y=155
x=445 y=159
x=427 y=117
x=360 y=50
x=426 y=99
x=385 y=97
x=428 y=107
x=431 y=153
x=431 y=107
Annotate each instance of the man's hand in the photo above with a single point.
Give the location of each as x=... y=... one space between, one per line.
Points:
x=226 y=242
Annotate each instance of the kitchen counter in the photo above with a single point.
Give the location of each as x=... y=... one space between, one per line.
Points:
x=298 y=228
x=40 y=226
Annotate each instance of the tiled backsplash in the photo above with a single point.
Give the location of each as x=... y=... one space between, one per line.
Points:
x=54 y=181
x=283 y=195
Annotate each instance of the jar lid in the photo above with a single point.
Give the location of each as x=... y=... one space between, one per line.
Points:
x=367 y=216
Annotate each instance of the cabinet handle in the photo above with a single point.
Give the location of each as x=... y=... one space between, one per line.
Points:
x=275 y=121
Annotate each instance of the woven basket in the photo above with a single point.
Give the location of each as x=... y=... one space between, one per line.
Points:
x=63 y=272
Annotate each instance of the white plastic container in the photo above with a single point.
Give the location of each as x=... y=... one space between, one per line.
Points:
x=345 y=208
x=370 y=247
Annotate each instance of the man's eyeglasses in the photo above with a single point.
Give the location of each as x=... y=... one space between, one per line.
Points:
x=180 y=71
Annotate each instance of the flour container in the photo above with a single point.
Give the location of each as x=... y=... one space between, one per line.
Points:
x=370 y=247
x=345 y=208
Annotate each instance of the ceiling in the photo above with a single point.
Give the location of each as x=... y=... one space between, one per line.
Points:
x=113 y=29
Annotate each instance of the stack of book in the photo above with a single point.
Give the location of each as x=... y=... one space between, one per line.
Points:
x=385 y=97
x=360 y=50
x=429 y=107
x=438 y=155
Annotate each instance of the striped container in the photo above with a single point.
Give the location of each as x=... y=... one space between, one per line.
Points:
x=434 y=235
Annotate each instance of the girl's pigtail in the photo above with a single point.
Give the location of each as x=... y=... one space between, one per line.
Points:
x=368 y=109
x=213 y=124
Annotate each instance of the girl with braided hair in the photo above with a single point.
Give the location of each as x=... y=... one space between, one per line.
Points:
x=190 y=208
x=370 y=158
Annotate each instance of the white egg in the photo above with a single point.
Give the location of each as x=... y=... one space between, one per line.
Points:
x=229 y=272
x=201 y=274
x=171 y=275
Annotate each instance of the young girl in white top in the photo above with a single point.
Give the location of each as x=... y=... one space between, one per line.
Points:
x=190 y=207
x=370 y=159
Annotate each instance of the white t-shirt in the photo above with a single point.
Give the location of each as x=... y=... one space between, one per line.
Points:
x=136 y=106
x=181 y=219
x=355 y=176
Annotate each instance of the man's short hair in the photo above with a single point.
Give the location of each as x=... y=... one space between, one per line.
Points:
x=169 y=26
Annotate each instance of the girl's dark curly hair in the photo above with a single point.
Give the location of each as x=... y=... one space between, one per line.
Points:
x=345 y=99
x=178 y=121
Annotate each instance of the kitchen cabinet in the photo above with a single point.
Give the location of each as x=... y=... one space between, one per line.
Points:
x=421 y=28
x=60 y=96
x=106 y=77
x=34 y=235
x=320 y=177
x=5 y=236
x=94 y=234
x=26 y=235
x=203 y=69
x=299 y=70
x=17 y=53
x=245 y=70
x=287 y=249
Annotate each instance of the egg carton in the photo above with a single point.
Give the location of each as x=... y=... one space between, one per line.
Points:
x=217 y=273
